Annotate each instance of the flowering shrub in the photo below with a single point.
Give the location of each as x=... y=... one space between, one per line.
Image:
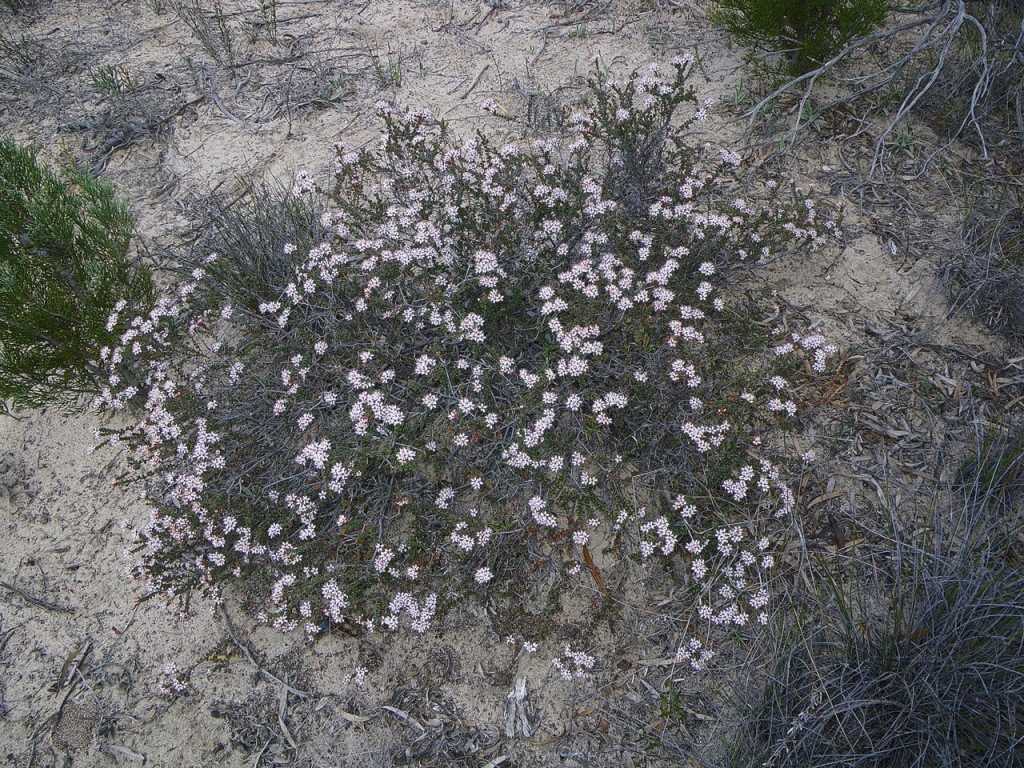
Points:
x=475 y=363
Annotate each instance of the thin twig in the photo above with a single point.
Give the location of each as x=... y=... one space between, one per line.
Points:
x=66 y=676
x=543 y=45
x=220 y=104
x=476 y=80
x=35 y=600
x=457 y=86
x=228 y=114
x=229 y=625
x=282 y=710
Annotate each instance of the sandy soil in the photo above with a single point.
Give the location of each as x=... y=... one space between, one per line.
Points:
x=82 y=661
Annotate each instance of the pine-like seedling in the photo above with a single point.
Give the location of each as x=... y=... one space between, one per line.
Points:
x=64 y=268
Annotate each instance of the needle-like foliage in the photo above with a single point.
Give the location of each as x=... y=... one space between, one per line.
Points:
x=807 y=32
x=473 y=366
x=64 y=266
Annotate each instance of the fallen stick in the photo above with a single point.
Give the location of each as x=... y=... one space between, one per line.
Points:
x=35 y=600
x=476 y=81
x=230 y=627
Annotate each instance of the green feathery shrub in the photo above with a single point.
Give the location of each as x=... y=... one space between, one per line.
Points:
x=808 y=32
x=64 y=268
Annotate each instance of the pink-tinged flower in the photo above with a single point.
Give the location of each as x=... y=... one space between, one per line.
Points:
x=574 y=664
x=315 y=453
x=536 y=506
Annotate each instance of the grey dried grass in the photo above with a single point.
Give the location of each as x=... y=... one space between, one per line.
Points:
x=928 y=673
x=986 y=278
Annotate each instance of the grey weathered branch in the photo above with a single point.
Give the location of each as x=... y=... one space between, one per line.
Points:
x=940 y=27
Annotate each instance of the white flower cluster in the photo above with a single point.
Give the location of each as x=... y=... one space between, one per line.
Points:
x=694 y=653
x=664 y=539
x=536 y=506
x=574 y=664
x=419 y=613
x=172 y=682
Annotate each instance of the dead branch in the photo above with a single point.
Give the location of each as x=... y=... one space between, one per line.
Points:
x=35 y=600
x=941 y=29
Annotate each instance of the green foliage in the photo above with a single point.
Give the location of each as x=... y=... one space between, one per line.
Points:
x=113 y=81
x=387 y=68
x=809 y=32
x=64 y=267
x=19 y=56
x=211 y=28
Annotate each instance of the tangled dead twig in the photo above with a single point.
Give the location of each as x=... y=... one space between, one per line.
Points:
x=942 y=29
